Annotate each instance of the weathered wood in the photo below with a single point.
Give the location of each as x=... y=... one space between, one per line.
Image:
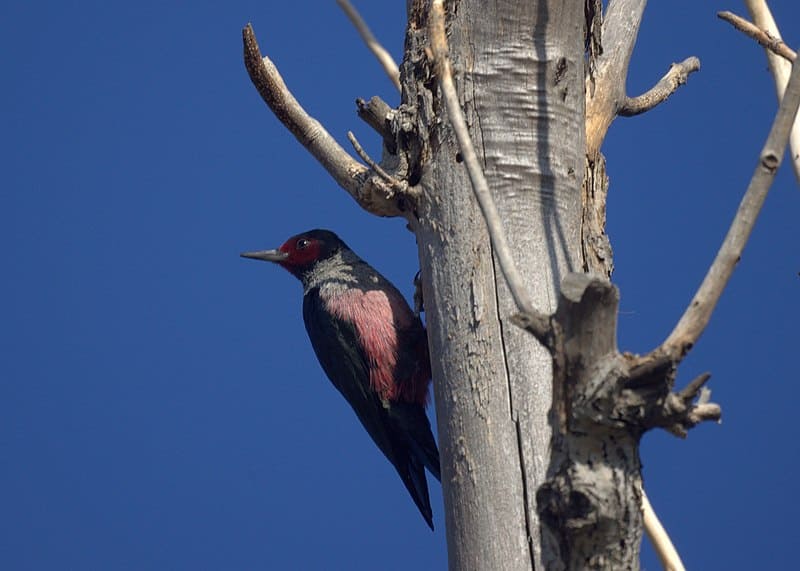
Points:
x=590 y=505
x=598 y=257
x=377 y=114
x=522 y=94
x=539 y=440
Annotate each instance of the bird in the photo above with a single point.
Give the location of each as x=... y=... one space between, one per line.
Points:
x=371 y=346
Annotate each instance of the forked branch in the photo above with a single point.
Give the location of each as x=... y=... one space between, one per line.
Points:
x=605 y=85
x=363 y=184
x=779 y=67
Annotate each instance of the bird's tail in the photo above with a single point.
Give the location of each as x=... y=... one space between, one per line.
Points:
x=420 y=453
x=413 y=475
x=416 y=425
x=425 y=450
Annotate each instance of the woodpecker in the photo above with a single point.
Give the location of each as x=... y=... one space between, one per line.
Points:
x=372 y=348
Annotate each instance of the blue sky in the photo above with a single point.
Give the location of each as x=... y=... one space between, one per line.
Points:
x=160 y=405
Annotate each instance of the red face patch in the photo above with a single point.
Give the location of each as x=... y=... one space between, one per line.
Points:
x=302 y=251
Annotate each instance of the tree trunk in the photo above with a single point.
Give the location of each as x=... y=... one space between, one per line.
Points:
x=539 y=439
x=519 y=70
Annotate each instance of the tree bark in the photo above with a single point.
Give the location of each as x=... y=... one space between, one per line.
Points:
x=519 y=70
x=528 y=429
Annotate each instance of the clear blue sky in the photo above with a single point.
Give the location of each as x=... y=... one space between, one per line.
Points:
x=160 y=405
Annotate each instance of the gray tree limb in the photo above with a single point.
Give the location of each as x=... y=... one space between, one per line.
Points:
x=676 y=76
x=384 y=57
x=368 y=188
x=762 y=17
x=606 y=84
x=610 y=45
x=697 y=314
x=667 y=554
x=764 y=38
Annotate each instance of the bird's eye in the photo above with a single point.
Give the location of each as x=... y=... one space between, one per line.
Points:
x=302 y=243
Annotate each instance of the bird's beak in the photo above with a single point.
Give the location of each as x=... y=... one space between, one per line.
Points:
x=266 y=255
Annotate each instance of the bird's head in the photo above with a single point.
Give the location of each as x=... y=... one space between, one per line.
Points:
x=302 y=252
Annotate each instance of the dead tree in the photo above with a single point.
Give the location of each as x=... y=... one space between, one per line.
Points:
x=540 y=414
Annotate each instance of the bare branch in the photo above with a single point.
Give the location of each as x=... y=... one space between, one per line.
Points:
x=773 y=44
x=385 y=59
x=376 y=113
x=369 y=191
x=697 y=315
x=676 y=76
x=662 y=544
x=780 y=68
x=400 y=185
x=620 y=27
x=605 y=87
x=516 y=285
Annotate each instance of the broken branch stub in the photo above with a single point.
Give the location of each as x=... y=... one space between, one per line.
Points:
x=604 y=401
x=606 y=387
x=377 y=114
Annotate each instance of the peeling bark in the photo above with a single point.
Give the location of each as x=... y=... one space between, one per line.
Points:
x=598 y=257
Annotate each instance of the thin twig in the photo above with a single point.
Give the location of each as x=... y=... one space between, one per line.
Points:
x=384 y=58
x=662 y=544
x=773 y=44
x=697 y=315
x=674 y=78
x=483 y=195
x=780 y=68
x=351 y=175
x=395 y=183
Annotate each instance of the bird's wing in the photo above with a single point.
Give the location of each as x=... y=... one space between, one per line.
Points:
x=338 y=350
x=336 y=346
x=413 y=367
